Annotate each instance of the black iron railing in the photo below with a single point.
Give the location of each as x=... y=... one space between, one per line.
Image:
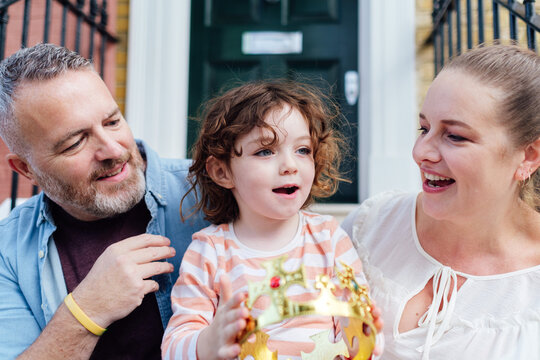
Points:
x=92 y=13
x=516 y=17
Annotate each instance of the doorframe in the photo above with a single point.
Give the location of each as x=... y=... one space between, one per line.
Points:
x=157 y=86
x=157 y=68
x=388 y=107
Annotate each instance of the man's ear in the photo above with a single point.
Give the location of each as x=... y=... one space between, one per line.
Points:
x=20 y=166
x=530 y=162
x=219 y=172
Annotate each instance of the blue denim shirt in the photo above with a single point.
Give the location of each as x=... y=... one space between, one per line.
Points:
x=32 y=284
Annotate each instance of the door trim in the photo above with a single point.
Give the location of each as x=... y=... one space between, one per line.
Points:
x=157 y=81
x=388 y=112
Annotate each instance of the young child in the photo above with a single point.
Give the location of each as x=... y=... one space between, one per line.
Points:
x=265 y=150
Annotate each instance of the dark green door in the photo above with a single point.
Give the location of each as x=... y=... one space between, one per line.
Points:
x=243 y=40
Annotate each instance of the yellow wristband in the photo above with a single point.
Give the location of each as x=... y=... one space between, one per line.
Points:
x=82 y=317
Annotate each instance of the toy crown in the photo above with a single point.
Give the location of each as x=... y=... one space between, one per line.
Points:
x=357 y=309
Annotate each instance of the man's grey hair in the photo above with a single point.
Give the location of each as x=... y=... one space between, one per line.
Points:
x=40 y=62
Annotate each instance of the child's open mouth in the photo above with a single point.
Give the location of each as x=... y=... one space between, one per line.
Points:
x=286 y=190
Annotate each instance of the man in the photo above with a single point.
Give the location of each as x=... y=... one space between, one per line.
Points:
x=100 y=229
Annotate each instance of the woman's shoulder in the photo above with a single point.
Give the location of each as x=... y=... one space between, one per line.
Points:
x=379 y=207
x=389 y=199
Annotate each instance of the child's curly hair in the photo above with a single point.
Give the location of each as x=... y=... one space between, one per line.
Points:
x=236 y=112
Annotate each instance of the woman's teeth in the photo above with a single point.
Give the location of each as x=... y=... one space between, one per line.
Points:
x=436 y=181
x=435 y=177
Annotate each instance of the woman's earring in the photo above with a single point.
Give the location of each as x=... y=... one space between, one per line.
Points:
x=526 y=175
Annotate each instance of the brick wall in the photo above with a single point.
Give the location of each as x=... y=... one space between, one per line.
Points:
x=424 y=50
x=122 y=27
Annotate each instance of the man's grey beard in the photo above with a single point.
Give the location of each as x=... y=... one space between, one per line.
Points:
x=106 y=206
x=89 y=200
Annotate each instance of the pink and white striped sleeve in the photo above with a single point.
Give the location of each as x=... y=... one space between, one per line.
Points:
x=193 y=298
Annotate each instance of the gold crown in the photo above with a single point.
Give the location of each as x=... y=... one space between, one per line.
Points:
x=357 y=309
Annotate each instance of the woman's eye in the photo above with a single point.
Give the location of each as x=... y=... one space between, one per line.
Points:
x=263 y=152
x=304 y=151
x=422 y=130
x=456 y=138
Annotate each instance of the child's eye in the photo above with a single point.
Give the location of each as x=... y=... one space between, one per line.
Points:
x=264 y=152
x=304 y=151
x=113 y=122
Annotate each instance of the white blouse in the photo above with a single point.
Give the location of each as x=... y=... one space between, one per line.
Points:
x=490 y=317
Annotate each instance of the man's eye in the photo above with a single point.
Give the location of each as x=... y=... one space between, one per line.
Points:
x=263 y=152
x=73 y=146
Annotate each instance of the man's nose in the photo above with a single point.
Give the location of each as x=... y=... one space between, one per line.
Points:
x=108 y=148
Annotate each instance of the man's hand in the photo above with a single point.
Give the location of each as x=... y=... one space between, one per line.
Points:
x=113 y=288
x=218 y=341
x=120 y=277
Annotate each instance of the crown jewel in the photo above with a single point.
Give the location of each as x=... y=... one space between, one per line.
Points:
x=358 y=324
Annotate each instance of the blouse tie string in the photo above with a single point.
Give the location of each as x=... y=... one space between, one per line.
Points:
x=441 y=308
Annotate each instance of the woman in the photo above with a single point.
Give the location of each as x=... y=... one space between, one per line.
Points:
x=456 y=268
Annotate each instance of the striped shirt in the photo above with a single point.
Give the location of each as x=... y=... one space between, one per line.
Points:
x=319 y=245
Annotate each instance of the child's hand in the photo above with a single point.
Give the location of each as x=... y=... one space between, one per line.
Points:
x=377 y=320
x=218 y=341
x=379 y=345
x=379 y=323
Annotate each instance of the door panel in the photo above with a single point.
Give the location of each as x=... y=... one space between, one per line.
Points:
x=329 y=43
x=313 y=11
